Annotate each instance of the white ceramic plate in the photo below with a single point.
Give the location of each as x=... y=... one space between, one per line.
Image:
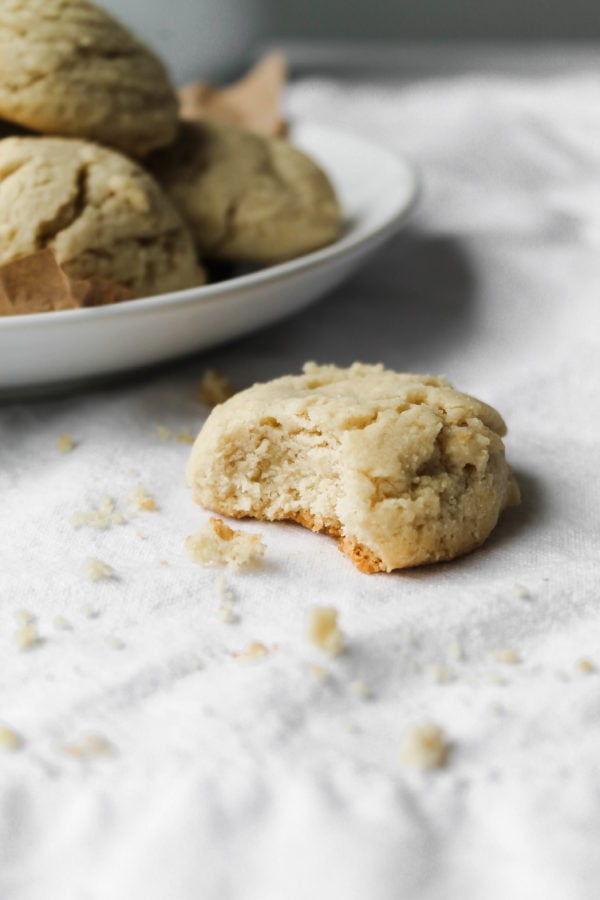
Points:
x=376 y=189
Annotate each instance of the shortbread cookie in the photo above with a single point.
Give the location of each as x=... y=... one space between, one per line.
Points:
x=70 y=69
x=402 y=469
x=247 y=198
x=101 y=213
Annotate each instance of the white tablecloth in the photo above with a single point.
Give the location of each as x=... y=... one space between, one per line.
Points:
x=228 y=781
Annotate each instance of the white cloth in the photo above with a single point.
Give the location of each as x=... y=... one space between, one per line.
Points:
x=263 y=782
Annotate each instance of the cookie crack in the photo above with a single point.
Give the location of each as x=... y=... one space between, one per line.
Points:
x=89 y=53
x=438 y=463
x=80 y=55
x=24 y=85
x=66 y=214
x=166 y=239
x=11 y=169
x=228 y=230
x=273 y=167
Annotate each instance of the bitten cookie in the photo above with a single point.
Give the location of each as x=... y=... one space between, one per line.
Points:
x=247 y=198
x=402 y=469
x=101 y=213
x=70 y=69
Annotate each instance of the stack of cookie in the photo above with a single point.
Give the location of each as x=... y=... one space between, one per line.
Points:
x=96 y=166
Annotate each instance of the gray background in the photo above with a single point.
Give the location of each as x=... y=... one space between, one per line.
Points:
x=426 y=19
x=215 y=38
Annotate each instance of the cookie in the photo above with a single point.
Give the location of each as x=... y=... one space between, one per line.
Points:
x=402 y=469
x=247 y=198
x=100 y=212
x=70 y=69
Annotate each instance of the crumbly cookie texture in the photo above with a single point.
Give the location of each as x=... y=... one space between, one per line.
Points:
x=402 y=469
x=70 y=69
x=247 y=198
x=101 y=214
x=216 y=544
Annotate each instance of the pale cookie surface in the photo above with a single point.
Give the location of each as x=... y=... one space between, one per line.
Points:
x=402 y=468
x=69 y=69
x=247 y=197
x=100 y=212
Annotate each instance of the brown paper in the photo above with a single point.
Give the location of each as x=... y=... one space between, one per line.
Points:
x=37 y=283
x=254 y=102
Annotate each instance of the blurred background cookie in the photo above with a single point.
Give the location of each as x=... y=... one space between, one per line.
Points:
x=100 y=212
x=247 y=198
x=70 y=69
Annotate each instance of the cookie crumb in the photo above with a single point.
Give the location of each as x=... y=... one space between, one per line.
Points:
x=360 y=689
x=141 y=501
x=521 y=592
x=438 y=674
x=164 y=562
x=90 y=745
x=164 y=433
x=227 y=614
x=89 y=611
x=218 y=544
x=586 y=666
x=167 y=434
x=425 y=747
x=214 y=388
x=319 y=672
x=27 y=637
x=24 y=617
x=65 y=443
x=115 y=643
x=61 y=623
x=323 y=630
x=9 y=738
x=455 y=651
x=224 y=590
x=104 y=516
x=507 y=656
x=97 y=570
x=252 y=653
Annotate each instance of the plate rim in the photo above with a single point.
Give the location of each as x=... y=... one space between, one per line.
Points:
x=214 y=291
